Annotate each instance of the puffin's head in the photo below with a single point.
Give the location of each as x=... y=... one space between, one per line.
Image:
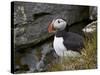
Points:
x=56 y=25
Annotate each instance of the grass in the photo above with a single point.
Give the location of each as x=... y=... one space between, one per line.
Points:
x=88 y=59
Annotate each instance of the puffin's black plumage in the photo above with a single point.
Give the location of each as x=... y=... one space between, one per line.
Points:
x=72 y=41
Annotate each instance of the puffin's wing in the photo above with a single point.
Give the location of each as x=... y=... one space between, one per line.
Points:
x=73 y=41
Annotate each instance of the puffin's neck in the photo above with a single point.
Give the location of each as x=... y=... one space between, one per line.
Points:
x=60 y=33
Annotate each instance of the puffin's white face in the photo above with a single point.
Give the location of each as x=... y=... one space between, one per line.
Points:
x=58 y=24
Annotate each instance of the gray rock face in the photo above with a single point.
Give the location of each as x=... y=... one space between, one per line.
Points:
x=71 y=13
x=93 y=12
x=35 y=59
x=31 y=20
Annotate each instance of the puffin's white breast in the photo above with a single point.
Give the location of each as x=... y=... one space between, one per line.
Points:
x=58 y=45
x=61 y=50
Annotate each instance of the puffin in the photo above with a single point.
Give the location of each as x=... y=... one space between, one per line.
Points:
x=65 y=43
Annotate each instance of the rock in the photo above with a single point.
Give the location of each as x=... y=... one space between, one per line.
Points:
x=90 y=28
x=69 y=12
x=35 y=59
x=19 y=15
x=31 y=20
x=93 y=12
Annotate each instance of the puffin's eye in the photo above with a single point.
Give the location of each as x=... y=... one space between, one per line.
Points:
x=58 y=21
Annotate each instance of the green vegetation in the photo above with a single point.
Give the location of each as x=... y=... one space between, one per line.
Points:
x=88 y=59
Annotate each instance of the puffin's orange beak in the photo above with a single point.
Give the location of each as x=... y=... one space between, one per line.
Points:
x=50 y=28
